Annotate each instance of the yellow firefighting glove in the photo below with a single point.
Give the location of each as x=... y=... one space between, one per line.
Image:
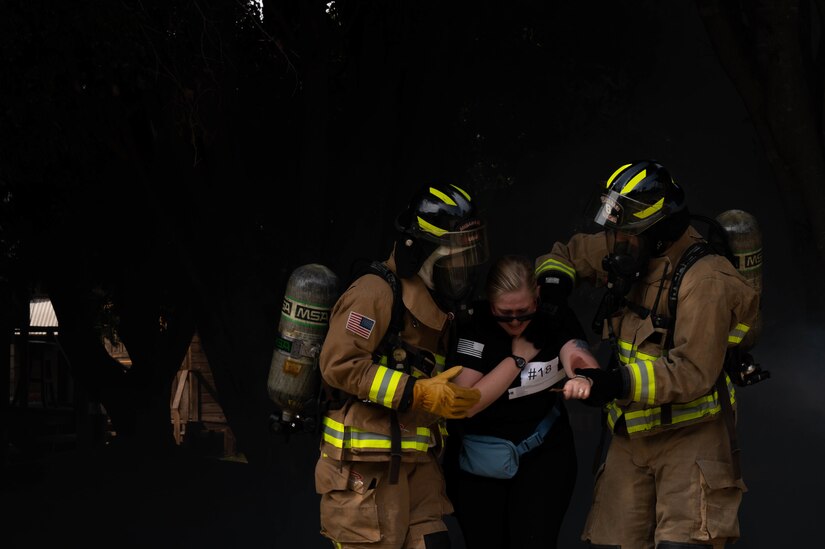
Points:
x=439 y=396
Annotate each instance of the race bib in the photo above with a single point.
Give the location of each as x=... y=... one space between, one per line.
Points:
x=538 y=376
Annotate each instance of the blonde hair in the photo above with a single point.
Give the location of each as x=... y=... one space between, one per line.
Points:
x=510 y=273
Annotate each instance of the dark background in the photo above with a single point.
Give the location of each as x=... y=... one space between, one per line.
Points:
x=160 y=158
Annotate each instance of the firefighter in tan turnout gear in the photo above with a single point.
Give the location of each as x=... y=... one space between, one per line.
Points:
x=379 y=474
x=669 y=479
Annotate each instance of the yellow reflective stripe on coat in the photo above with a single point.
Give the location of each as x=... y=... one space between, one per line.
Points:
x=336 y=434
x=555 y=265
x=637 y=421
x=735 y=336
x=643 y=381
x=628 y=351
x=384 y=385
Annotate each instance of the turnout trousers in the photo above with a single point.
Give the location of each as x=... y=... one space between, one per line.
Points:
x=360 y=508
x=677 y=485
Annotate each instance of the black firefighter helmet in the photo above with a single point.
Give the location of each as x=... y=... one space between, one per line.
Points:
x=641 y=198
x=442 y=238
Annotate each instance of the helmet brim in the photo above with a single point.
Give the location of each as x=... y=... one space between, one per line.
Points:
x=618 y=212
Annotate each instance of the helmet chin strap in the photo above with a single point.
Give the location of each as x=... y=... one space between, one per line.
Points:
x=409 y=254
x=426 y=270
x=667 y=231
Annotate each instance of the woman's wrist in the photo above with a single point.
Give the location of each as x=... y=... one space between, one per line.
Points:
x=579 y=376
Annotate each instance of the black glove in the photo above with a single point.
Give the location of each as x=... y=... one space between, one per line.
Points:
x=554 y=290
x=608 y=385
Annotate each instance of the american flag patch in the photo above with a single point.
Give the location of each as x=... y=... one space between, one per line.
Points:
x=359 y=324
x=472 y=348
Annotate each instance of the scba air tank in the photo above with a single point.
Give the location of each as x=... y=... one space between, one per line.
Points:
x=293 y=383
x=745 y=240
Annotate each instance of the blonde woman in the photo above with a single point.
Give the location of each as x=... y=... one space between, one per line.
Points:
x=521 y=359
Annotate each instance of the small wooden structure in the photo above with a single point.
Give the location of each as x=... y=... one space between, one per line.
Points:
x=40 y=383
x=45 y=408
x=194 y=403
x=40 y=376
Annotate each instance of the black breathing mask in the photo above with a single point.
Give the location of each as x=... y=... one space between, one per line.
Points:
x=625 y=265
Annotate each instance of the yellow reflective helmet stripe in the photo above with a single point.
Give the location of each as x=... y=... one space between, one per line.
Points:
x=630 y=185
x=384 y=385
x=430 y=228
x=462 y=191
x=647 y=212
x=444 y=198
x=616 y=174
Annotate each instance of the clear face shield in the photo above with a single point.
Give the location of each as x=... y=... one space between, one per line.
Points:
x=623 y=221
x=452 y=270
x=612 y=210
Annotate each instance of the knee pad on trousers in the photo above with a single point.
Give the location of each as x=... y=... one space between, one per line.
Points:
x=679 y=545
x=437 y=540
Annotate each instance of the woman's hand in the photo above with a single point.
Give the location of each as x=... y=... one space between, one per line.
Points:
x=577 y=387
x=576 y=354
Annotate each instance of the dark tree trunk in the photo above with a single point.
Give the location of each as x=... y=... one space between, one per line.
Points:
x=758 y=45
x=103 y=377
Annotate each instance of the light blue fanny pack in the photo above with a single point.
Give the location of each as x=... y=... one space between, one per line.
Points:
x=494 y=457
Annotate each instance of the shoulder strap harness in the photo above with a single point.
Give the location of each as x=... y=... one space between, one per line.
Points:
x=393 y=335
x=691 y=256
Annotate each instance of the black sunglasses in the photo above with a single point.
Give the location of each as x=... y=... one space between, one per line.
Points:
x=518 y=318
